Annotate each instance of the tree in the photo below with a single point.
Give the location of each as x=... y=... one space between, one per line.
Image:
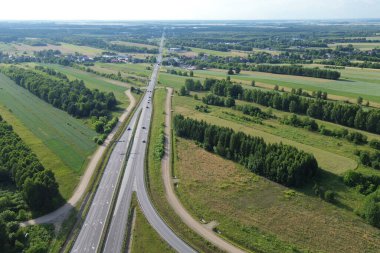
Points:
x=237 y=70
x=183 y=91
x=359 y=100
x=370 y=210
x=276 y=88
x=253 y=83
x=230 y=71
x=191 y=73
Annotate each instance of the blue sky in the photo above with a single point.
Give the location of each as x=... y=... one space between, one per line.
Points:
x=190 y=9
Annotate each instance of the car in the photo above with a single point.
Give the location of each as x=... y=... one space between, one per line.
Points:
x=143 y=127
x=144 y=141
x=147 y=107
x=129 y=128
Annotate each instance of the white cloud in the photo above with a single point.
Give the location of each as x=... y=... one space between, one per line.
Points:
x=194 y=9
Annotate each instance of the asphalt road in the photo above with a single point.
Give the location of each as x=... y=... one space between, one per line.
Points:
x=88 y=239
x=134 y=180
x=116 y=234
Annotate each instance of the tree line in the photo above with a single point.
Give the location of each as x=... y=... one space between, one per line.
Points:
x=70 y=96
x=340 y=113
x=311 y=125
x=20 y=166
x=277 y=162
x=299 y=71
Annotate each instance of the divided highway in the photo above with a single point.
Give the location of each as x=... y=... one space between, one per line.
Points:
x=134 y=180
x=94 y=227
x=89 y=237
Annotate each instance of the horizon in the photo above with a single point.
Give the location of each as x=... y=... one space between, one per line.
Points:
x=170 y=10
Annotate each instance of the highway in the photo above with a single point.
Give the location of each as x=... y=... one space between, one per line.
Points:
x=134 y=180
x=89 y=237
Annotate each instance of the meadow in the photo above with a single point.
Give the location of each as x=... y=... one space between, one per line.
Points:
x=61 y=142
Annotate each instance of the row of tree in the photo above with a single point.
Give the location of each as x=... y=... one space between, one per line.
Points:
x=20 y=166
x=340 y=113
x=312 y=125
x=369 y=159
x=277 y=162
x=299 y=71
x=212 y=99
x=70 y=96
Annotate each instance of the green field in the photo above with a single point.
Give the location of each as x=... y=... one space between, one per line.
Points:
x=61 y=142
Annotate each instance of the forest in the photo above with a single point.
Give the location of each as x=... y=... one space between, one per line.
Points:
x=277 y=162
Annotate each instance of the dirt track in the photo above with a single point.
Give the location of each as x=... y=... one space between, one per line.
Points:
x=201 y=229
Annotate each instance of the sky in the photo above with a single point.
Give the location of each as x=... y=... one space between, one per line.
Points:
x=187 y=10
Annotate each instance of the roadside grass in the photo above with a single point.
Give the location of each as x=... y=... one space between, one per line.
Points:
x=144 y=238
x=61 y=142
x=261 y=215
x=156 y=185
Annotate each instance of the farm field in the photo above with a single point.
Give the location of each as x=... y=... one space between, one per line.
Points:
x=248 y=206
x=61 y=142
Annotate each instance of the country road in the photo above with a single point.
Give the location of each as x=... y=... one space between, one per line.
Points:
x=207 y=233
x=61 y=213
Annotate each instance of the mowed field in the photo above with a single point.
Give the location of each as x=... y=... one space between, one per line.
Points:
x=61 y=142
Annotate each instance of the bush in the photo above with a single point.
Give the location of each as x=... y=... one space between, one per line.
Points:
x=329 y=196
x=370 y=210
